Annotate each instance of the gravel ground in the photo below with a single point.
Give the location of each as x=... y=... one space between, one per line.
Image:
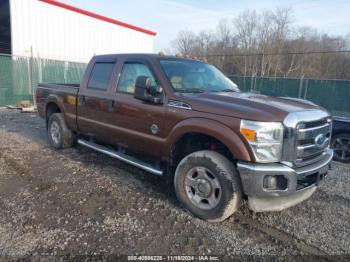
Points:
x=79 y=202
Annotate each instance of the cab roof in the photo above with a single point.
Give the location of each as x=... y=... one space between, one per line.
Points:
x=143 y=55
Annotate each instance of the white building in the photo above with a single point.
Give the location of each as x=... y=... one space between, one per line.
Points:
x=54 y=30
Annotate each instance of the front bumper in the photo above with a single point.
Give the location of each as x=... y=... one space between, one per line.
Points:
x=300 y=183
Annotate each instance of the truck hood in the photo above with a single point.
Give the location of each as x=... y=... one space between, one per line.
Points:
x=247 y=105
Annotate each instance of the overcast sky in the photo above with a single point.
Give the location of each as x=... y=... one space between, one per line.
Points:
x=167 y=17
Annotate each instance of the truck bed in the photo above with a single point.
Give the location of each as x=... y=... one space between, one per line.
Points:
x=59 y=86
x=65 y=94
x=56 y=88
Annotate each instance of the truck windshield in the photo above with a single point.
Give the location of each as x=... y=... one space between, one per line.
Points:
x=188 y=76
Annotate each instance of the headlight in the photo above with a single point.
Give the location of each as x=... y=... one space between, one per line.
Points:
x=265 y=139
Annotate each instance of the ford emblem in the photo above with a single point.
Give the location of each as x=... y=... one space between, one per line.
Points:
x=320 y=140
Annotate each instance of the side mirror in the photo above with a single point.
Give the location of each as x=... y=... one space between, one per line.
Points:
x=145 y=91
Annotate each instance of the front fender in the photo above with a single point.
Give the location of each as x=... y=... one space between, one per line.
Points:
x=212 y=128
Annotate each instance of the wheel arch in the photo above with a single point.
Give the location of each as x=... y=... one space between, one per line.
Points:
x=52 y=106
x=210 y=129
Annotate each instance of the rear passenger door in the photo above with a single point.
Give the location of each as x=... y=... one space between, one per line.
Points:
x=94 y=100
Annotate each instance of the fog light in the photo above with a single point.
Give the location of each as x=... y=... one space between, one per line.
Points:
x=278 y=182
x=270 y=182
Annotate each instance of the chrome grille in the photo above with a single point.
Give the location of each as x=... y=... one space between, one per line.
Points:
x=312 y=138
x=300 y=130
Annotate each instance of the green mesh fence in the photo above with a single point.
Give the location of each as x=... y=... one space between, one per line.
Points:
x=13 y=74
x=331 y=94
x=19 y=76
x=334 y=95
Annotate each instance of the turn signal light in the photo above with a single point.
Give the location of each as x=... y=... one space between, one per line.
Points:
x=248 y=134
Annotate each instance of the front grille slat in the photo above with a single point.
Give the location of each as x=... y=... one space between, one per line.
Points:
x=316 y=123
x=310 y=149
x=312 y=132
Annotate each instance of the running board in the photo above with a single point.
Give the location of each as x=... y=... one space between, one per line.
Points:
x=121 y=156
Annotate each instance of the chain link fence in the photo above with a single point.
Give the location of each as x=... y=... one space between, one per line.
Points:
x=19 y=76
x=334 y=95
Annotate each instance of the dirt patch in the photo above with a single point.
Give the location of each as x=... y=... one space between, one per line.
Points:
x=79 y=202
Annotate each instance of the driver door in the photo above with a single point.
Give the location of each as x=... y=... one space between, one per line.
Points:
x=140 y=123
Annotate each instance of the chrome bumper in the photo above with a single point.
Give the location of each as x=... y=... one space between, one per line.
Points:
x=296 y=191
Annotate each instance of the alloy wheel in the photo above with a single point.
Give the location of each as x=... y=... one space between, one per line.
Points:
x=341 y=148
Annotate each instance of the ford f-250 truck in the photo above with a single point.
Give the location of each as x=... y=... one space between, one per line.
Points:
x=185 y=120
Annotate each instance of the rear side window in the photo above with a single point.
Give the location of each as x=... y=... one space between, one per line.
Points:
x=100 y=76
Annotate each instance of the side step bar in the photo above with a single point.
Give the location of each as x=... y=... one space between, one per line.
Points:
x=122 y=157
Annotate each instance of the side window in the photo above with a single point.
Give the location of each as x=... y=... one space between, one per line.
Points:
x=100 y=76
x=130 y=72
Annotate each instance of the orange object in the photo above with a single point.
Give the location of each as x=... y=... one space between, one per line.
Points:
x=248 y=134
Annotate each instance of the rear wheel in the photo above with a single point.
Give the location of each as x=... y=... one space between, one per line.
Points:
x=59 y=135
x=341 y=147
x=208 y=185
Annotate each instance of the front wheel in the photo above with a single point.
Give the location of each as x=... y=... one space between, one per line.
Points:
x=208 y=184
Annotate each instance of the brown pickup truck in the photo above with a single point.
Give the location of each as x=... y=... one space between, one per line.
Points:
x=183 y=119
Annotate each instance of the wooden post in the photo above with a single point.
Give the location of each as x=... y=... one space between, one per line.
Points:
x=31 y=74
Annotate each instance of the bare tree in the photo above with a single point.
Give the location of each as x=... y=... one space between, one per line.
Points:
x=280 y=48
x=246 y=27
x=204 y=42
x=265 y=35
x=185 y=41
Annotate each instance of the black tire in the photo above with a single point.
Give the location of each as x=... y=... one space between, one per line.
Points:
x=59 y=135
x=341 y=147
x=222 y=204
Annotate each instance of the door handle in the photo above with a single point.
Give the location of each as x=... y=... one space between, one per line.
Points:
x=111 y=104
x=81 y=100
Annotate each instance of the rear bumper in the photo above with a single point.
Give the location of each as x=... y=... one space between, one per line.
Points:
x=300 y=183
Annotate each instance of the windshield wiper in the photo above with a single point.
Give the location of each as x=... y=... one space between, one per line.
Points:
x=191 y=90
x=229 y=90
